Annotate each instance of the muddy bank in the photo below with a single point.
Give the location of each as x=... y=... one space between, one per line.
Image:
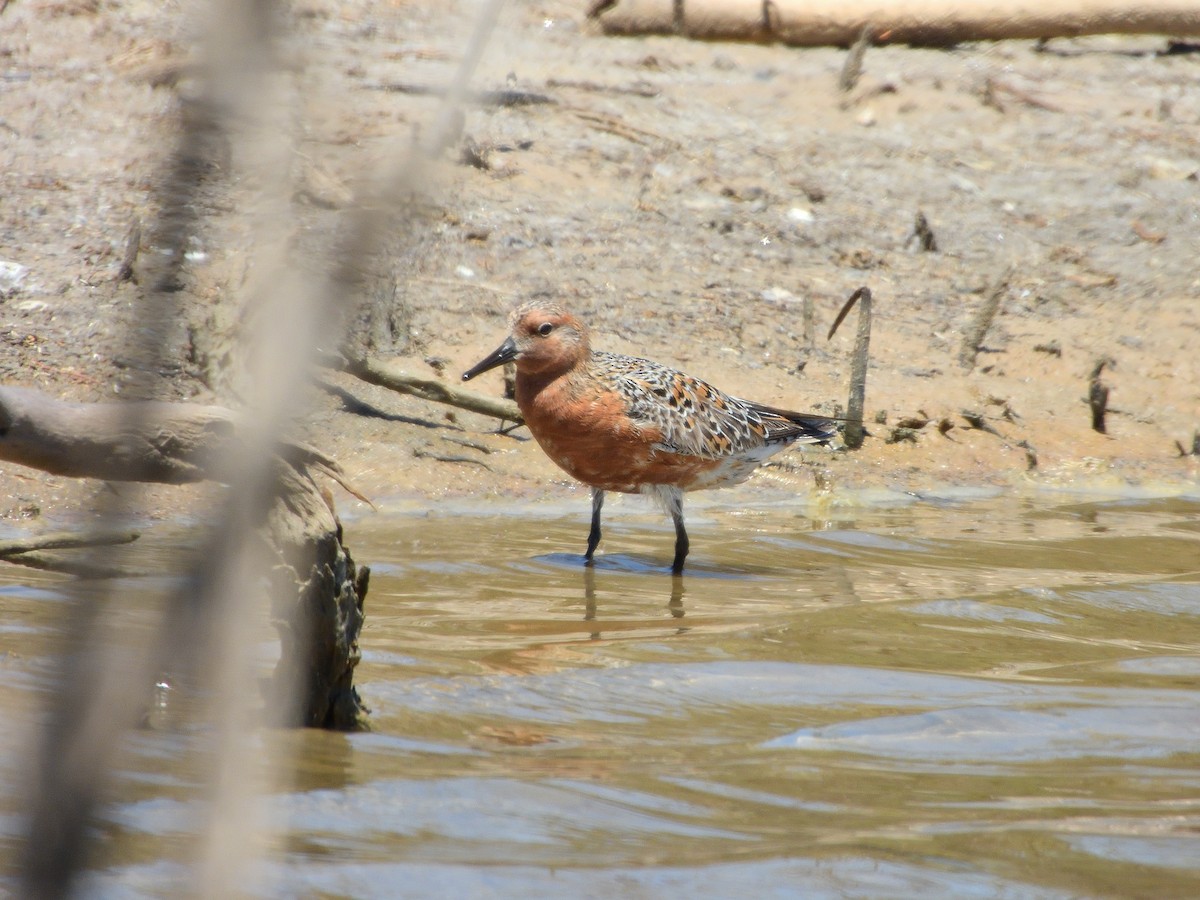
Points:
x=684 y=197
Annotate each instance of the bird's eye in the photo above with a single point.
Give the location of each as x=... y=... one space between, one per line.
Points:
x=545 y=328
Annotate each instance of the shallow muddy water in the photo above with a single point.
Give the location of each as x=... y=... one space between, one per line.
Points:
x=958 y=697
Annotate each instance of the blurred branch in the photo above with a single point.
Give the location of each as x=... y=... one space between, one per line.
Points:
x=207 y=624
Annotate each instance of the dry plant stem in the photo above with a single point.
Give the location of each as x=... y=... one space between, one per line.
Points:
x=394 y=378
x=853 y=435
x=101 y=691
x=978 y=328
x=853 y=67
x=101 y=688
x=308 y=312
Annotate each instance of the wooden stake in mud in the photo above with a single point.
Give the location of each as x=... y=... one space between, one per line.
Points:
x=858 y=372
x=922 y=234
x=1195 y=451
x=133 y=242
x=1098 y=395
x=978 y=329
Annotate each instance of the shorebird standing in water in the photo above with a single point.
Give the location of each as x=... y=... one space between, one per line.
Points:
x=619 y=423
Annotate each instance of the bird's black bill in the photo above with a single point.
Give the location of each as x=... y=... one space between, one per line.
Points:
x=506 y=352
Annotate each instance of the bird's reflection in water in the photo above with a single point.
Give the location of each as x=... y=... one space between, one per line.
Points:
x=674 y=604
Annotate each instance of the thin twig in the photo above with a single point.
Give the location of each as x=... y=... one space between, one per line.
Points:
x=1023 y=96
x=423 y=453
x=396 y=379
x=635 y=90
x=500 y=98
x=612 y=125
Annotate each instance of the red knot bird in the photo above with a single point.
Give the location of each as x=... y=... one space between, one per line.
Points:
x=619 y=423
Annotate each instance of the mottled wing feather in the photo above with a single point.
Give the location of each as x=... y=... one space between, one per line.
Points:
x=696 y=418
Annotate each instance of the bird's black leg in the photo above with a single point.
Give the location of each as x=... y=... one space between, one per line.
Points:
x=681 y=538
x=594 y=534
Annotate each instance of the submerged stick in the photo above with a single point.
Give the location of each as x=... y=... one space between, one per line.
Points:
x=29 y=552
x=79 y=568
x=853 y=435
x=64 y=540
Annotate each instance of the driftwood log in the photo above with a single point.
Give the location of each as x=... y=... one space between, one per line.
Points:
x=317 y=603
x=923 y=22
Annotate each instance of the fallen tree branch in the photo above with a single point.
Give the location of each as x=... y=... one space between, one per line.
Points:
x=814 y=23
x=394 y=378
x=168 y=443
x=171 y=443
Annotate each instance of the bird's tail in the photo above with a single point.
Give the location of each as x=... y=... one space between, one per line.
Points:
x=806 y=428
